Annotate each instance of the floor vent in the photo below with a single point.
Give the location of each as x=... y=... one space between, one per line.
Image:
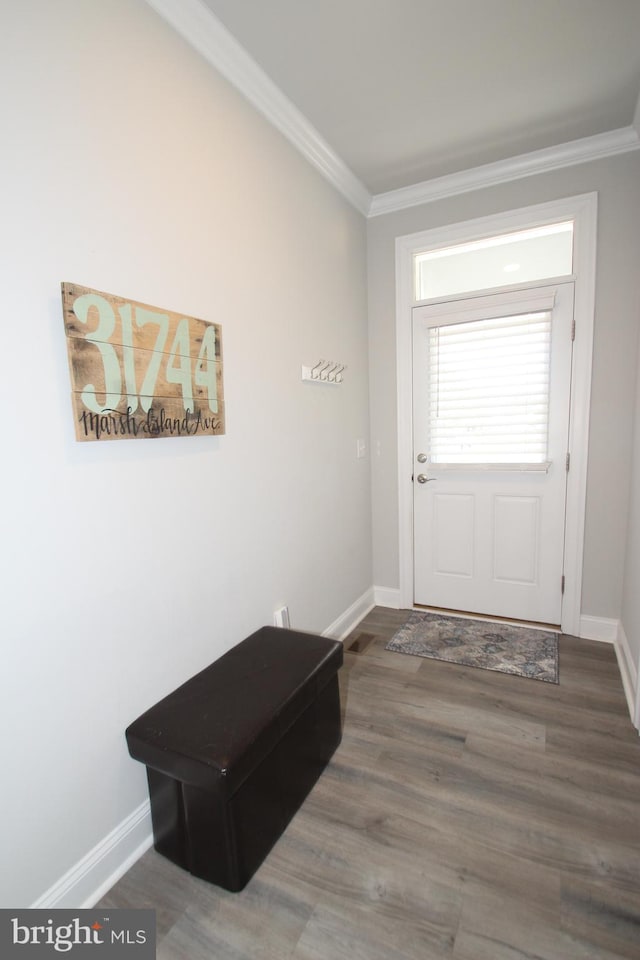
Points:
x=360 y=642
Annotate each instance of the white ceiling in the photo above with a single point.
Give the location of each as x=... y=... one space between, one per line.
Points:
x=408 y=90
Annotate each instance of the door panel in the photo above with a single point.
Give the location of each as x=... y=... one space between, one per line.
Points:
x=489 y=538
x=454 y=527
x=516 y=527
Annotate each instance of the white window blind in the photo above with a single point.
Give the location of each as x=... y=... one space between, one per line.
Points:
x=489 y=390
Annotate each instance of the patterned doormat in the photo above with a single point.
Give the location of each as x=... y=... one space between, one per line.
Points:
x=523 y=651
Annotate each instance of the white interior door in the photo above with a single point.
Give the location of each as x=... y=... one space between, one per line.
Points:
x=490 y=452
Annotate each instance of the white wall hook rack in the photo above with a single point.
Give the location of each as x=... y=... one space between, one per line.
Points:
x=324 y=371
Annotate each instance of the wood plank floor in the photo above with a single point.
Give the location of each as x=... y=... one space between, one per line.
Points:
x=467 y=815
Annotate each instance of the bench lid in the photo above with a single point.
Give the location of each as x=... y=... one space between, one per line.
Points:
x=216 y=727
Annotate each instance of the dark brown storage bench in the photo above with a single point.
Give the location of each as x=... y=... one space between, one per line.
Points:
x=233 y=752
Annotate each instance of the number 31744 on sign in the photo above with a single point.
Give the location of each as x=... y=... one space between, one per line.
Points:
x=140 y=372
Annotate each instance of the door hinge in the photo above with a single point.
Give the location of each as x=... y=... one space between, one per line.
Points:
x=568 y=462
x=562 y=584
x=573 y=329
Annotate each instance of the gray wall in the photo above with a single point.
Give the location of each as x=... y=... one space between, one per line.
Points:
x=617 y=182
x=130 y=166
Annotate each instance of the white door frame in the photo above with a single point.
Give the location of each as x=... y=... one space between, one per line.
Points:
x=583 y=211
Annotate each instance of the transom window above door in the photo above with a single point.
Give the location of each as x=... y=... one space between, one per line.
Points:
x=525 y=256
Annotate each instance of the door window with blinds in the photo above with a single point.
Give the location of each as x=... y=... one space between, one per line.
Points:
x=489 y=391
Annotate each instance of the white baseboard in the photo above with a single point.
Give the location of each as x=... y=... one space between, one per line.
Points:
x=345 y=623
x=90 y=878
x=612 y=631
x=387 y=597
x=629 y=674
x=598 y=628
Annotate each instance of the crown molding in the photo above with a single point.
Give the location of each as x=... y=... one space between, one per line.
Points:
x=515 y=168
x=194 y=21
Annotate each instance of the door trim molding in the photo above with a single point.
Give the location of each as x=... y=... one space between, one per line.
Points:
x=583 y=210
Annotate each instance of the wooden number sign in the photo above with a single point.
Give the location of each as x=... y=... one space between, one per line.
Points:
x=140 y=372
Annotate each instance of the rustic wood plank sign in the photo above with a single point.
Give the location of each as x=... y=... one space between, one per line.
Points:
x=139 y=371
